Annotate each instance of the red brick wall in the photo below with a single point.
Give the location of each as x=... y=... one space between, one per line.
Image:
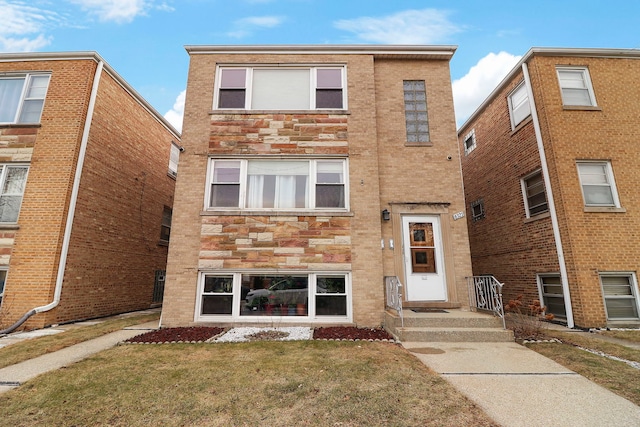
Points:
x=505 y=243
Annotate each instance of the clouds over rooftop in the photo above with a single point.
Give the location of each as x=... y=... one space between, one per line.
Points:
x=426 y=26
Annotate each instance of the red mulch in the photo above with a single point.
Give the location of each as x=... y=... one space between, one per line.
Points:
x=351 y=333
x=190 y=334
x=201 y=333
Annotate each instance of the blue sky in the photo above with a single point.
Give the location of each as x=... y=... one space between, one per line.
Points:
x=144 y=39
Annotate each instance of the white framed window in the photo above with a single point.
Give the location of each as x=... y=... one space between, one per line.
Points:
x=519 y=108
x=13 y=179
x=620 y=291
x=3 y=279
x=22 y=97
x=293 y=184
x=535 y=198
x=262 y=295
x=470 y=142
x=598 y=185
x=165 y=226
x=281 y=88
x=477 y=210
x=575 y=86
x=415 y=111
x=552 y=295
x=174 y=158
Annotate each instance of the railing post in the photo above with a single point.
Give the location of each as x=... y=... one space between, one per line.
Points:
x=485 y=293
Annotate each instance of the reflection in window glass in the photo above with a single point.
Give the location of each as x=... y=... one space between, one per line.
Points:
x=331 y=296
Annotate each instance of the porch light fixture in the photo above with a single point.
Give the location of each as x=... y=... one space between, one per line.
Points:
x=386 y=215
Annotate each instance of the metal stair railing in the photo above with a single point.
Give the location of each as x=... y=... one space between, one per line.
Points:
x=394 y=295
x=485 y=293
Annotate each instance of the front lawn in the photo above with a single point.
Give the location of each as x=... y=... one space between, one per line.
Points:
x=301 y=383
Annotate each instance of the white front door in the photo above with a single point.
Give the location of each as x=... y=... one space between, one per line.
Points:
x=424 y=266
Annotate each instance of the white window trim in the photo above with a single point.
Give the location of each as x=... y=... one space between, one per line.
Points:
x=523 y=186
x=243 y=186
x=514 y=124
x=586 y=77
x=541 y=293
x=312 y=83
x=5 y=269
x=173 y=171
x=235 y=309
x=610 y=178
x=3 y=175
x=634 y=290
x=469 y=149
x=23 y=95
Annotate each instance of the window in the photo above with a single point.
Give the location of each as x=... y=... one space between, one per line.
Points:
x=470 y=142
x=303 y=295
x=477 y=210
x=3 y=278
x=598 y=186
x=294 y=88
x=620 y=296
x=575 y=85
x=165 y=227
x=552 y=296
x=278 y=184
x=415 y=111
x=12 y=182
x=535 y=199
x=519 y=108
x=22 y=98
x=174 y=158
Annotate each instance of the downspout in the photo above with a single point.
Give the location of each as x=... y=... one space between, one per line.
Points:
x=552 y=207
x=72 y=209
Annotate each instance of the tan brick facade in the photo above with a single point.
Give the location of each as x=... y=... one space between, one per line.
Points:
x=594 y=240
x=113 y=248
x=369 y=135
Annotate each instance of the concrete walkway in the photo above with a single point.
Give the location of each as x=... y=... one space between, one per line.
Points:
x=519 y=387
x=14 y=375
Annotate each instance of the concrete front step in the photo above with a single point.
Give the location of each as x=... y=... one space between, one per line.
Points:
x=422 y=334
x=447 y=326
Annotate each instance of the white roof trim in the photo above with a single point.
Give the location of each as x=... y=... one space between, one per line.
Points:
x=550 y=51
x=90 y=55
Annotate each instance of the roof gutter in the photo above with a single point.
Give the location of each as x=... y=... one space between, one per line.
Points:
x=72 y=208
x=552 y=206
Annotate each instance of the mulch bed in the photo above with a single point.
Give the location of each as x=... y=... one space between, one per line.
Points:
x=200 y=334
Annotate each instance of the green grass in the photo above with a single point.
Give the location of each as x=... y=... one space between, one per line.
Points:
x=31 y=348
x=304 y=383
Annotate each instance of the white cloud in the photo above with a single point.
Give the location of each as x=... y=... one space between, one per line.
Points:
x=426 y=26
x=473 y=88
x=175 y=115
x=119 y=11
x=20 y=19
x=244 y=27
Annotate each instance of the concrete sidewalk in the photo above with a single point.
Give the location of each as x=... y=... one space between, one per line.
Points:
x=14 y=375
x=519 y=387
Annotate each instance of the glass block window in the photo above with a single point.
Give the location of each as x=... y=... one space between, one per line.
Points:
x=415 y=111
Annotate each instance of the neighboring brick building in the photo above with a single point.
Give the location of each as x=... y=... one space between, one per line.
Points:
x=563 y=120
x=305 y=169
x=86 y=190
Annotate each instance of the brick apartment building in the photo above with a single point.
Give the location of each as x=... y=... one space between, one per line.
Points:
x=306 y=170
x=551 y=176
x=87 y=190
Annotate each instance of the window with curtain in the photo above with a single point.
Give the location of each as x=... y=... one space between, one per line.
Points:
x=620 y=297
x=13 y=179
x=278 y=184
x=280 y=88
x=22 y=98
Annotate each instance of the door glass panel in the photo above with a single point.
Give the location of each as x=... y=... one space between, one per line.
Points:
x=423 y=259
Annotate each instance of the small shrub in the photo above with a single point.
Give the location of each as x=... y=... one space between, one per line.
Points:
x=526 y=321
